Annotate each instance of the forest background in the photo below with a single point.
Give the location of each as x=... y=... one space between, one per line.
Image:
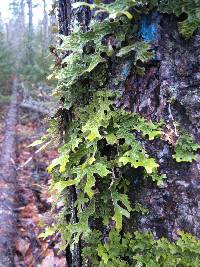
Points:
x=25 y=34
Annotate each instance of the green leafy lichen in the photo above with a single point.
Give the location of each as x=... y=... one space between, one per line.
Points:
x=141 y=249
x=102 y=140
x=185 y=150
x=79 y=65
x=116 y=9
x=81 y=162
x=190 y=8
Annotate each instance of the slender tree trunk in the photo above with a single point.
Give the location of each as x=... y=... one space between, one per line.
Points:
x=8 y=186
x=64 y=16
x=30 y=31
x=22 y=20
x=45 y=28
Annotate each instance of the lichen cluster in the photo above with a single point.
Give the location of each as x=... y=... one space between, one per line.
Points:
x=102 y=141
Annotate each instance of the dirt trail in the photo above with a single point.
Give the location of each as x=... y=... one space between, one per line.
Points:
x=8 y=185
x=34 y=200
x=24 y=199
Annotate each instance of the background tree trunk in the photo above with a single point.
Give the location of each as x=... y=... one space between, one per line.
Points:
x=45 y=28
x=30 y=30
x=169 y=90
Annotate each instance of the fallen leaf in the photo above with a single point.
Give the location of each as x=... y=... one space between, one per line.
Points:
x=22 y=246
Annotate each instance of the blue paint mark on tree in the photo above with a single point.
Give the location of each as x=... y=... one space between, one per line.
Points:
x=125 y=70
x=148 y=28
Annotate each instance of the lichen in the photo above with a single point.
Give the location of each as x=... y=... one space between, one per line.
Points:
x=101 y=139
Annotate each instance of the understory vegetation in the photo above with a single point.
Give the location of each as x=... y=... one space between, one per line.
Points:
x=6 y=66
x=102 y=141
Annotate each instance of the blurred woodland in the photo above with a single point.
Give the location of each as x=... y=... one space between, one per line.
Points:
x=24 y=45
x=25 y=100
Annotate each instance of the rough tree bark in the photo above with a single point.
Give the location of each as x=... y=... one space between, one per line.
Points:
x=8 y=186
x=67 y=18
x=169 y=90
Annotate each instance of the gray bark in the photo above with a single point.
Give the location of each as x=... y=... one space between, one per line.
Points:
x=170 y=90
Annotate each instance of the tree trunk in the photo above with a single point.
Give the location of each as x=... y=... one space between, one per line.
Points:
x=8 y=186
x=67 y=19
x=45 y=28
x=22 y=22
x=169 y=90
x=30 y=31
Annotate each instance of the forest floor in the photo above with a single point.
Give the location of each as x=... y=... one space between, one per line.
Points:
x=33 y=200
